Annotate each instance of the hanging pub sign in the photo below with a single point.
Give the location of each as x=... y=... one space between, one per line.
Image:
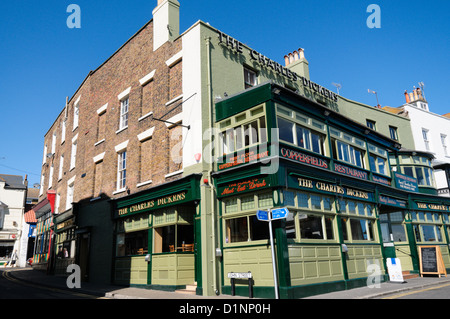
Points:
x=237 y=46
x=406 y=182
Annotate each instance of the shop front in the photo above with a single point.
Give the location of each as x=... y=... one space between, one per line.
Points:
x=65 y=241
x=156 y=244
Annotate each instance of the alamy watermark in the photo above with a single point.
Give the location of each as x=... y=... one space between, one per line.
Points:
x=74 y=19
x=374 y=19
x=73 y=280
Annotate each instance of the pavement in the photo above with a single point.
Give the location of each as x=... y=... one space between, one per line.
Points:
x=40 y=278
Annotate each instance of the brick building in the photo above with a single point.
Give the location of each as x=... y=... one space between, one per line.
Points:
x=131 y=158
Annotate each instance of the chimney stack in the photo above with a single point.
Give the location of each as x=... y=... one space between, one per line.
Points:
x=166 y=22
x=407 y=96
x=296 y=62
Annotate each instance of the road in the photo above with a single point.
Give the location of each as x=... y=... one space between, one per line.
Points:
x=12 y=288
x=435 y=292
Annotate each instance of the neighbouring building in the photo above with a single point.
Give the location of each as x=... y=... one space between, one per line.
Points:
x=13 y=190
x=431 y=133
x=143 y=171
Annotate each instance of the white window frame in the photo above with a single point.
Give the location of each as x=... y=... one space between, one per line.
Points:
x=121 y=170
x=70 y=191
x=63 y=131
x=426 y=139
x=50 y=177
x=444 y=144
x=73 y=154
x=61 y=166
x=124 y=107
x=76 y=113
x=54 y=143
x=250 y=78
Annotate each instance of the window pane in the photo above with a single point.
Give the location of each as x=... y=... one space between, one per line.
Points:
x=381 y=165
x=419 y=175
x=231 y=205
x=329 y=227
x=311 y=227
x=417 y=233
x=428 y=233
x=316 y=202
x=259 y=230
x=265 y=200
x=247 y=202
x=185 y=235
x=237 y=230
x=372 y=163
x=408 y=171
x=317 y=142
x=327 y=203
x=359 y=229
x=263 y=132
x=286 y=130
x=344 y=228
x=302 y=200
x=398 y=231
x=289 y=198
x=164 y=239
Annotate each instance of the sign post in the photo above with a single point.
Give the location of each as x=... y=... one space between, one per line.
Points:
x=268 y=216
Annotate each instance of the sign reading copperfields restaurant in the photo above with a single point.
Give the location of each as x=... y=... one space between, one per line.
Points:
x=153 y=204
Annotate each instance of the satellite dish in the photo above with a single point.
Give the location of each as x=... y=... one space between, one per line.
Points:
x=36 y=185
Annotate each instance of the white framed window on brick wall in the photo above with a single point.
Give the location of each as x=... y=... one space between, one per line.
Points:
x=124 y=104
x=73 y=155
x=121 y=178
x=76 y=113
x=121 y=170
x=70 y=190
x=124 y=99
x=61 y=167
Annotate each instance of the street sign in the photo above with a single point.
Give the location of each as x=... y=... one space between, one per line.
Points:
x=262 y=215
x=279 y=213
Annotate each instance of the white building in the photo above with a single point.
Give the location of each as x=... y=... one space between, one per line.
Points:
x=431 y=133
x=12 y=205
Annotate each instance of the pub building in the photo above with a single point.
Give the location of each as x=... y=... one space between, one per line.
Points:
x=157 y=235
x=355 y=197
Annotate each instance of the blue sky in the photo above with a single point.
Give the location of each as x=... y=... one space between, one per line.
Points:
x=43 y=61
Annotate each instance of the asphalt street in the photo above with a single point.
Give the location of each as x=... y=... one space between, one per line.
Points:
x=12 y=288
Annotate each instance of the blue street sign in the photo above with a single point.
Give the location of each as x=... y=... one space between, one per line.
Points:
x=262 y=215
x=279 y=213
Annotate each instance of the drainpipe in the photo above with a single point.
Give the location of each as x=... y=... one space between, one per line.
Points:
x=211 y=164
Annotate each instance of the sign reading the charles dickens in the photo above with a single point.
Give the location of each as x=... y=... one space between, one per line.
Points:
x=237 y=46
x=431 y=206
x=152 y=204
x=333 y=188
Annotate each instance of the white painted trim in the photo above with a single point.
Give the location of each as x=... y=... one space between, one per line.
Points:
x=175 y=120
x=147 y=78
x=102 y=110
x=121 y=129
x=99 y=142
x=74 y=139
x=144 y=183
x=145 y=116
x=120 y=147
x=146 y=135
x=78 y=100
x=71 y=181
x=175 y=59
x=179 y=97
x=119 y=191
x=174 y=174
x=99 y=157
x=124 y=94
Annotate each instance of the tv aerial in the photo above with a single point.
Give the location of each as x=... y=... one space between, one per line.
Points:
x=338 y=86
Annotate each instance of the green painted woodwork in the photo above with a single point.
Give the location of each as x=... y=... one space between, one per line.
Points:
x=131 y=271
x=360 y=256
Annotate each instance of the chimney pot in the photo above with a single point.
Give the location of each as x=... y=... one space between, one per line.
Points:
x=407 y=96
x=286 y=60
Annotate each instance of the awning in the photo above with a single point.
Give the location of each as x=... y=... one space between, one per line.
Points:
x=30 y=217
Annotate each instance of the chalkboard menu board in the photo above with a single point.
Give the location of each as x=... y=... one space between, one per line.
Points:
x=431 y=261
